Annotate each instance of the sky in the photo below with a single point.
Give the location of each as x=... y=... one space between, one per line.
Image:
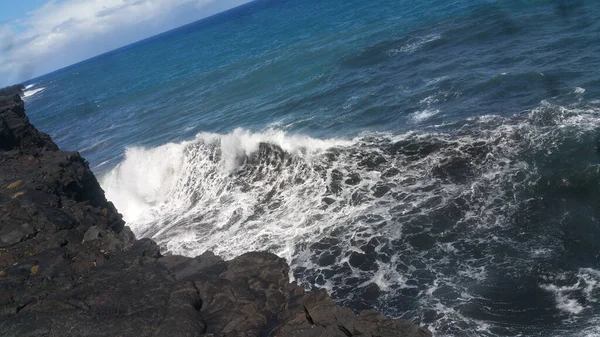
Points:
x=40 y=36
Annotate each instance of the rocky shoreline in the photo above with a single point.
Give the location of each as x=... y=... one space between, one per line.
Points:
x=70 y=267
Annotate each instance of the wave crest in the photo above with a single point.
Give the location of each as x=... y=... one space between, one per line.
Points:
x=29 y=93
x=415 y=219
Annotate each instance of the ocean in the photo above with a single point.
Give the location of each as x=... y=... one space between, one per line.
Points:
x=438 y=161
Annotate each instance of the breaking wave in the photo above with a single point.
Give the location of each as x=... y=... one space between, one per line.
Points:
x=29 y=93
x=433 y=226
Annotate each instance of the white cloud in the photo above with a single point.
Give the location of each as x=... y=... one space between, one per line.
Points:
x=64 y=32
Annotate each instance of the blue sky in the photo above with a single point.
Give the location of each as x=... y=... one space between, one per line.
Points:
x=14 y=9
x=40 y=36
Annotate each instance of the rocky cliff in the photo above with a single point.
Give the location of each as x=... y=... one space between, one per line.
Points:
x=70 y=267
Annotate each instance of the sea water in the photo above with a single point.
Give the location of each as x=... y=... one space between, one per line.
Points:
x=435 y=160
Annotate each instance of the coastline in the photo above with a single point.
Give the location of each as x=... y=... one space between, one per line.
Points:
x=69 y=265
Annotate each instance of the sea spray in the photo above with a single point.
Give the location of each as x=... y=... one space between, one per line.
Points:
x=365 y=218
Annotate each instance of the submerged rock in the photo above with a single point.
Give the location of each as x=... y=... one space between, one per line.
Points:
x=70 y=267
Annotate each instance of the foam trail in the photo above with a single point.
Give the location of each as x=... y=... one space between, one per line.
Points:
x=423 y=115
x=30 y=93
x=415 y=44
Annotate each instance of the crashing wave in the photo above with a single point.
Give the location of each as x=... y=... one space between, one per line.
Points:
x=29 y=93
x=413 y=220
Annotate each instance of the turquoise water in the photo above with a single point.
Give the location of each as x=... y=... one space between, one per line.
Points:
x=436 y=160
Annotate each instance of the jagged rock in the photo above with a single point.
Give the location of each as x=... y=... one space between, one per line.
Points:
x=16 y=130
x=317 y=316
x=70 y=267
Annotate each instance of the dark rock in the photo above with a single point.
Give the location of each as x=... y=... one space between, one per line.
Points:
x=92 y=234
x=70 y=267
x=193 y=266
x=14 y=231
x=319 y=317
x=16 y=131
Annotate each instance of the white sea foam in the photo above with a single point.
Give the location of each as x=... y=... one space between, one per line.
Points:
x=475 y=273
x=541 y=252
x=574 y=298
x=429 y=100
x=424 y=115
x=32 y=92
x=29 y=86
x=180 y=182
x=563 y=301
x=243 y=191
x=415 y=45
x=593 y=329
x=193 y=180
x=435 y=80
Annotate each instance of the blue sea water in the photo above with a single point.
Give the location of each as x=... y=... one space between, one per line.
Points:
x=435 y=160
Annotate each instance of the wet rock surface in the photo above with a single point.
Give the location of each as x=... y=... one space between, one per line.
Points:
x=70 y=267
